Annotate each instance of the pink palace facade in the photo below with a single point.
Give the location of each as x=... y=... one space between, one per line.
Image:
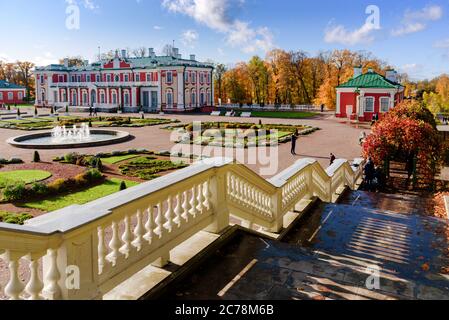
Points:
x=153 y=83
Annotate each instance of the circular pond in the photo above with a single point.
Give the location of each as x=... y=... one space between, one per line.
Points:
x=69 y=139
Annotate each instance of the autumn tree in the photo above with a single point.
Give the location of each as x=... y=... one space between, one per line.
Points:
x=220 y=70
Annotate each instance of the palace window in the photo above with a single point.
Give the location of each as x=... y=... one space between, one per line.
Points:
x=1 y=95
x=193 y=97
x=201 y=77
x=108 y=78
x=137 y=77
x=88 y=78
x=384 y=104
x=20 y=95
x=117 y=78
x=149 y=77
x=194 y=77
x=186 y=77
x=169 y=77
x=79 y=78
x=98 y=78
x=169 y=98
x=126 y=78
x=64 y=96
x=369 y=104
x=61 y=78
x=102 y=97
x=10 y=96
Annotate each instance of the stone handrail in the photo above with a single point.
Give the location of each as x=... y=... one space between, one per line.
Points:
x=111 y=239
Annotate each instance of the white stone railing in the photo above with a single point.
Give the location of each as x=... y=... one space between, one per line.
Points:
x=111 y=239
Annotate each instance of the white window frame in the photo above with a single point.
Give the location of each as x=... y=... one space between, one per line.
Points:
x=149 y=77
x=10 y=96
x=20 y=95
x=98 y=78
x=1 y=95
x=108 y=78
x=366 y=104
x=137 y=77
x=126 y=78
x=383 y=99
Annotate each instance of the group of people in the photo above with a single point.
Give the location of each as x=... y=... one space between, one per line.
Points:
x=92 y=111
x=375 y=118
x=374 y=177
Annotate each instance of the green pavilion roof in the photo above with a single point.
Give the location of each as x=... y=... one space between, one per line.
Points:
x=370 y=80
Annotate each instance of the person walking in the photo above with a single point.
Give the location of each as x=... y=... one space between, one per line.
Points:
x=294 y=141
x=362 y=138
x=95 y=112
x=369 y=171
x=90 y=111
x=332 y=159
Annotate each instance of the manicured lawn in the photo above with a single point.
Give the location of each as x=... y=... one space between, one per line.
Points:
x=114 y=160
x=26 y=176
x=283 y=114
x=107 y=188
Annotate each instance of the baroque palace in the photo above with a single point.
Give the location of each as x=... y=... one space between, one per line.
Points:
x=167 y=83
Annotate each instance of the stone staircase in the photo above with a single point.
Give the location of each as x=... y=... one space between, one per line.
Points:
x=330 y=254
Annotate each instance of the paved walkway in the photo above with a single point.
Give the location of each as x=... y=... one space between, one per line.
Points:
x=330 y=256
x=334 y=136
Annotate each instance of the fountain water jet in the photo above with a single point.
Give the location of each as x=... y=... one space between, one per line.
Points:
x=63 y=134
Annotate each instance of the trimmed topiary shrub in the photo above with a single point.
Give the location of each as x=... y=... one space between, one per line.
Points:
x=123 y=186
x=14 y=191
x=36 y=157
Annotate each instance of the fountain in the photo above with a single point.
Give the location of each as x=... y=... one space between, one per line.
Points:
x=63 y=134
x=62 y=137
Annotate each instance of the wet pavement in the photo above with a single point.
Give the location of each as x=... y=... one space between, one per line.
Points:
x=352 y=250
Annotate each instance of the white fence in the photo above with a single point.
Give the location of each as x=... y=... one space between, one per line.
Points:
x=113 y=238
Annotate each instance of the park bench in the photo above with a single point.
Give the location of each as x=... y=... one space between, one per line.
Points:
x=246 y=115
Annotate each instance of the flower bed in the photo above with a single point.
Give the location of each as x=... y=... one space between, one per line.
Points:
x=148 y=168
x=238 y=135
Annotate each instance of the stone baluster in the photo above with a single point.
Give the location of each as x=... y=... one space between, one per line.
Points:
x=200 y=198
x=193 y=203
x=139 y=232
x=14 y=288
x=186 y=207
x=35 y=284
x=126 y=238
x=207 y=195
x=114 y=244
x=52 y=291
x=169 y=215
x=178 y=210
x=159 y=221
x=149 y=226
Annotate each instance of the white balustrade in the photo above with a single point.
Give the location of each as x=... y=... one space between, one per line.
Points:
x=113 y=238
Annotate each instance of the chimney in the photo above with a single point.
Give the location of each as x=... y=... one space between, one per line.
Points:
x=175 y=52
x=357 y=71
x=66 y=62
x=151 y=53
x=192 y=57
x=124 y=54
x=392 y=75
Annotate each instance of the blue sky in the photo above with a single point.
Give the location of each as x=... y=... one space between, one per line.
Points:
x=410 y=35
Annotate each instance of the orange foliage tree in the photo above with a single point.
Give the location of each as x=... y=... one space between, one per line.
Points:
x=407 y=129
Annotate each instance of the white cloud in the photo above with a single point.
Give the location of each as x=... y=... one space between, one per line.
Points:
x=189 y=38
x=216 y=15
x=415 y=21
x=88 y=4
x=45 y=60
x=339 y=34
x=157 y=28
x=442 y=44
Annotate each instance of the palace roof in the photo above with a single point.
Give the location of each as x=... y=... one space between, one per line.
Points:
x=371 y=80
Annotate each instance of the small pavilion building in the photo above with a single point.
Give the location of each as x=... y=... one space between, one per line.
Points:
x=368 y=94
